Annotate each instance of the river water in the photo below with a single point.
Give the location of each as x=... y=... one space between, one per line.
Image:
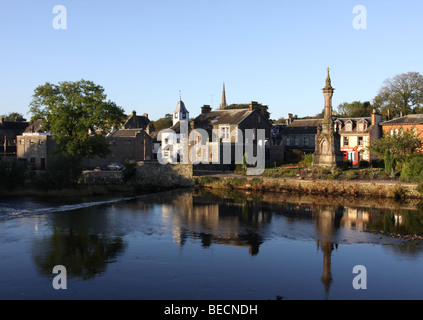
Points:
x=204 y=245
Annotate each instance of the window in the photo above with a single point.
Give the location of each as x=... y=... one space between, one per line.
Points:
x=166 y=141
x=392 y=132
x=360 y=141
x=176 y=116
x=288 y=141
x=346 y=142
x=297 y=141
x=306 y=141
x=225 y=133
x=360 y=127
x=184 y=116
x=348 y=127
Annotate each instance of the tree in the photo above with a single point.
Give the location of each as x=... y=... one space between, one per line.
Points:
x=14 y=116
x=401 y=145
x=262 y=108
x=355 y=109
x=403 y=94
x=78 y=116
x=163 y=123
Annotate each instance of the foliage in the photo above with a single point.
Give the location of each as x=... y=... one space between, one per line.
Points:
x=12 y=175
x=401 y=145
x=256 y=181
x=163 y=123
x=14 y=116
x=355 y=109
x=78 y=115
x=389 y=162
x=401 y=94
x=129 y=172
x=364 y=164
x=307 y=160
x=63 y=172
x=413 y=169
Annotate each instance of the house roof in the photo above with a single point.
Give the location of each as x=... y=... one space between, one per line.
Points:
x=221 y=117
x=408 y=119
x=35 y=127
x=136 y=122
x=302 y=126
x=124 y=133
x=17 y=126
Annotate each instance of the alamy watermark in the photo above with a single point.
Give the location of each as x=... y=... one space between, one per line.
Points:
x=195 y=147
x=60 y=21
x=360 y=280
x=360 y=20
x=60 y=281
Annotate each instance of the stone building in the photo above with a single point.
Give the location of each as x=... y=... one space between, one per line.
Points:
x=9 y=130
x=35 y=146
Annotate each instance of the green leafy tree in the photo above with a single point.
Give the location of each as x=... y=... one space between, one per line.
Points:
x=78 y=115
x=163 y=123
x=401 y=94
x=401 y=145
x=14 y=116
x=355 y=109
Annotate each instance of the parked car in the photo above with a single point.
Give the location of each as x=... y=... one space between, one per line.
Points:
x=115 y=166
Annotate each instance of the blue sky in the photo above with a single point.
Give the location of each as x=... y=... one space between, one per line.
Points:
x=273 y=51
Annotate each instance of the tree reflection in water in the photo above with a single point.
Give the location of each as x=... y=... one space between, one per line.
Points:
x=81 y=242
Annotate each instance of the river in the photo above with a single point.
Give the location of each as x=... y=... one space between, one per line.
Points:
x=205 y=245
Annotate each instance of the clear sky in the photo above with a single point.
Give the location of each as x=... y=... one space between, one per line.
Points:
x=272 y=51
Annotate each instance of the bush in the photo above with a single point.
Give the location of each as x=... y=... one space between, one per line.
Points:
x=12 y=175
x=364 y=164
x=307 y=160
x=389 y=162
x=130 y=170
x=63 y=172
x=412 y=171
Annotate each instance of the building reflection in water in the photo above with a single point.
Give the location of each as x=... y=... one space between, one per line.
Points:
x=247 y=224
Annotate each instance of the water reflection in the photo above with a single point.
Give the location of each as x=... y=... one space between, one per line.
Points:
x=84 y=242
x=87 y=240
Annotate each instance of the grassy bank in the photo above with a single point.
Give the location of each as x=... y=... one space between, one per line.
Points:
x=299 y=185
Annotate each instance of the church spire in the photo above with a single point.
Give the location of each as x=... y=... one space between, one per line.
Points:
x=223 y=104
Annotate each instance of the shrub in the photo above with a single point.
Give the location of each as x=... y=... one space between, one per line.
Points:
x=351 y=175
x=364 y=164
x=307 y=160
x=420 y=188
x=130 y=170
x=389 y=162
x=412 y=170
x=12 y=175
x=256 y=181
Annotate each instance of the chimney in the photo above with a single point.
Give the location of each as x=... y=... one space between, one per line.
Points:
x=290 y=118
x=374 y=117
x=388 y=115
x=150 y=128
x=253 y=105
x=134 y=113
x=205 y=109
x=1 y=120
x=192 y=125
x=145 y=115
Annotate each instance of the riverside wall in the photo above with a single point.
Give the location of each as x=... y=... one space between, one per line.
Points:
x=355 y=188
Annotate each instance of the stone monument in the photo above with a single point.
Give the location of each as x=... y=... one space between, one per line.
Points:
x=327 y=143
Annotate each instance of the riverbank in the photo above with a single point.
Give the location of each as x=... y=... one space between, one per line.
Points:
x=355 y=188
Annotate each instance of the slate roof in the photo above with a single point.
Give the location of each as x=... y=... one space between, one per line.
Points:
x=136 y=122
x=123 y=133
x=17 y=126
x=221 y=117
x=302 y=126
x=411 y=119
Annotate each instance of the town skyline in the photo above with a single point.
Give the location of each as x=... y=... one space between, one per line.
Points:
x=144 y=54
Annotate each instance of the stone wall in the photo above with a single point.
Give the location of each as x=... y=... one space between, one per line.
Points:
x=151 y=174
x=172 y=175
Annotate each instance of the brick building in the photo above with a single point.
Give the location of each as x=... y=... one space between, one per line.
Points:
x=413 y=122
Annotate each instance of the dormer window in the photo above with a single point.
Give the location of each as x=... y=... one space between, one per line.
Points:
x=183 y=116
x=348 y=126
